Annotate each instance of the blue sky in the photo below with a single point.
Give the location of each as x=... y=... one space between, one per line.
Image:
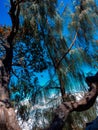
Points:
x=4 y=17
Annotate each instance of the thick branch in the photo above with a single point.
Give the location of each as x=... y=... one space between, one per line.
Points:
x=65 y=108
x=87 y=101
x=14 y=14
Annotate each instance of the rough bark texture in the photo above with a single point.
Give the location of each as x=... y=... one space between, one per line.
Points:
x=65 y=108
x=8 y=119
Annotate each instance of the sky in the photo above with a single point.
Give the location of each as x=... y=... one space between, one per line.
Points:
x=4 y=16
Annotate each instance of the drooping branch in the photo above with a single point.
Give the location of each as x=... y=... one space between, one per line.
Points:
x=65 y=108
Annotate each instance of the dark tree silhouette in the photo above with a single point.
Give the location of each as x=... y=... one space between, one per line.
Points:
x=8 y=119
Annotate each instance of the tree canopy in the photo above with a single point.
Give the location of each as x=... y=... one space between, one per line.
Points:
x=44 y=38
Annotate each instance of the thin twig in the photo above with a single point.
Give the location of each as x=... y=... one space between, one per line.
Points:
x=2 y=40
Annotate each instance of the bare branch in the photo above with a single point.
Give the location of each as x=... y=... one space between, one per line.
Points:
x=14 y=14
x=2 y=40
x=67 y=50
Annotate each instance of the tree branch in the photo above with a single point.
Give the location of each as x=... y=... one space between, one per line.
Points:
x=65 y=108
x=2 y=40
x=14 y=14
x=67 y=50
x=3 y=44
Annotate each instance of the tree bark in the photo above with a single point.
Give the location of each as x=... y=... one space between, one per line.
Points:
x=8 y=119
x=7 y=114
x=62 y=112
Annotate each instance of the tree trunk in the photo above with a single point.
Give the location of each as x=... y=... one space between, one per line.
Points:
x=62 y=87
x=7 y=114
x=62 y=112
x=8 y=119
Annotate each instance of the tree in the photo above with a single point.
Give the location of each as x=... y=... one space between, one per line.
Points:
x=40 y=24
x=7 y=114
